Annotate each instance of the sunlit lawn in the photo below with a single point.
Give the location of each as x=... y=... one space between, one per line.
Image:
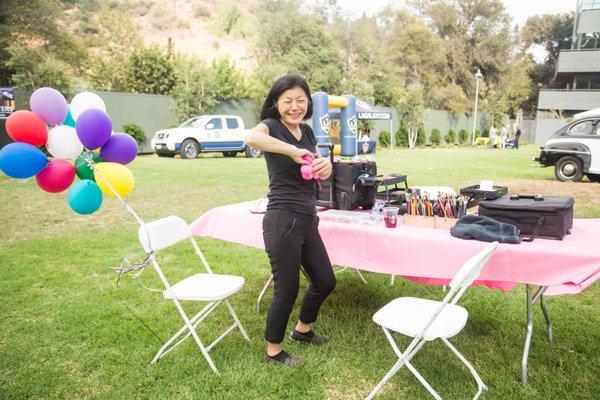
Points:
x=67 y=331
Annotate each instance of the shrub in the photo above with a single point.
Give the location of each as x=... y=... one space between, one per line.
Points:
x=477 y=133
x=201 y=10
x=486 y=133
x=135 y=131
x=463 y=136
x=384 y=139
x=421 y=137
x=401 y=137
x=436 y=137
x=450 y=137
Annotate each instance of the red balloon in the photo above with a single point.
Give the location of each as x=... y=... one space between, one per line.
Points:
x=25 y=126
x=57 y=176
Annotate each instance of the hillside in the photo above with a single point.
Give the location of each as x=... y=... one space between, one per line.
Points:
x=198 y=27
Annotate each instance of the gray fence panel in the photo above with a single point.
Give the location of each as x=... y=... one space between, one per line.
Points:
x=150 y=111
x=547 y=127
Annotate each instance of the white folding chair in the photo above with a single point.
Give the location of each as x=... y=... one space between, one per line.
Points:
x=427 y=320
x=213 y=288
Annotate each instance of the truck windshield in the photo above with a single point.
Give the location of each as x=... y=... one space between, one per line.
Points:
x=193 y=122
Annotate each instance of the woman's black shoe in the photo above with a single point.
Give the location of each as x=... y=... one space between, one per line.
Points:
x=309 y=337
x=284 y=357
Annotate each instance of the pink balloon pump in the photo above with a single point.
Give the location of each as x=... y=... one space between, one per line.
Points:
x=307 y=170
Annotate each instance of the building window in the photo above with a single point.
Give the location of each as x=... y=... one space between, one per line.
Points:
x=587 y=5
x=590 y=40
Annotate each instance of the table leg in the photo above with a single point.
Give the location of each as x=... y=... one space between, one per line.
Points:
x=547 y=317
x=528 y=335
x=531 y=299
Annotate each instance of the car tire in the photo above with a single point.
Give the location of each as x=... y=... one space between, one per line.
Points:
x=593 y=177
x=568 y=169
x=165 y=155
x=229 y=153
x=189 y=149
x=252 y=152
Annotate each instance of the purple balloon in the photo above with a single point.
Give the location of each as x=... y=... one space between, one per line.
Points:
x=94 y=128
x=49 y=104
x=120 y=148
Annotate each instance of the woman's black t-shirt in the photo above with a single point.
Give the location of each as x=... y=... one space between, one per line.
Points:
x=287 y=189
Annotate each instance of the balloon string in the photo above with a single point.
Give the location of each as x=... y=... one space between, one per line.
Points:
x=97 y=173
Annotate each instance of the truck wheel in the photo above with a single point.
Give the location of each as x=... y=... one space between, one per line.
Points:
x=593 y=177
x=189 y=149
x=568 y=169
x=252 y=152
x=229 y=153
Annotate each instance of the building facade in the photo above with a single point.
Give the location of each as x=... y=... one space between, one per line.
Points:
x=576 y=85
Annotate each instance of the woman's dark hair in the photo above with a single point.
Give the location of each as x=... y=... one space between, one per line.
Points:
x=287 y=82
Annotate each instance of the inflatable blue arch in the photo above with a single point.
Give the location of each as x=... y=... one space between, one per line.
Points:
x=321 y=121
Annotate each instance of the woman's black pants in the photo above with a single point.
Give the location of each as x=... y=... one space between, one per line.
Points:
x=292 y=239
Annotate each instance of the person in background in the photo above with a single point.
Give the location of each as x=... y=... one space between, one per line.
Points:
x=503 y=136
x=492 y=136
x=366 y=136
x=517 y=136
x=290 y=224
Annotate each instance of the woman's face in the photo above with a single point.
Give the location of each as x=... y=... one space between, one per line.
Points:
x=292 y=106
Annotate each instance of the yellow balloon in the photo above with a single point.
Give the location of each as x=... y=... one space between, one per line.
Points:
x=117 y=175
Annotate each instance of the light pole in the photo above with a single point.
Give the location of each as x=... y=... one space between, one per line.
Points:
x=478 y=76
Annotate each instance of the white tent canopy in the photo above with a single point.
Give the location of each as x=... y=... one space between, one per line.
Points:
x=595 y=111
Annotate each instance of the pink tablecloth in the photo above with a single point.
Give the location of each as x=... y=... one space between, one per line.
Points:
x=432 y=255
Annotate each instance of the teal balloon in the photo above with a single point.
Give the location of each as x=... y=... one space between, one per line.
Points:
x=85 y=197
x=69 y=119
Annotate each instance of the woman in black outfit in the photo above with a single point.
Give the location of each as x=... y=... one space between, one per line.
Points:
x=290 y=225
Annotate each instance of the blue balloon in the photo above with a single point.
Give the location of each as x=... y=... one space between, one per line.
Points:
x=22 y=160
x=69 y=119
x=85 y=197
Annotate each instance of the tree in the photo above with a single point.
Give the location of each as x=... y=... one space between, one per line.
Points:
x=412 y=104
x=193 y=92
x=553 y=32
x=298 y=43
x=111 y=37
x=37 y=27
x=149 y=70
x=226 y=81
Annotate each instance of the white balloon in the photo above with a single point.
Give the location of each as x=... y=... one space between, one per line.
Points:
x=84 y=101
x=63 y=142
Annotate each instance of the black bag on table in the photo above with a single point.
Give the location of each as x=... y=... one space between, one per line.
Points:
x=548 y=217
x=348 y=191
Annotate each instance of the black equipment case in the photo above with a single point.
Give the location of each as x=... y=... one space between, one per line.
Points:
x=534 y=215
x=349 y=190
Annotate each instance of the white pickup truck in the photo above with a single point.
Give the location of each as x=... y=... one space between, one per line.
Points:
x=204 y=134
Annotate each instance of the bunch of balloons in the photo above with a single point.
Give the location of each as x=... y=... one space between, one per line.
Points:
x=79 y=138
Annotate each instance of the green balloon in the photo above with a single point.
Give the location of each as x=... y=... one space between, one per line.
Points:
x=83 y=170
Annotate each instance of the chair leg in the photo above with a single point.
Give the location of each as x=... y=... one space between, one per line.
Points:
x=237 y=321
x=403 y=359
x=166 y=348
x=360 y=275
x=262 y=293
x=189 y=325
x=385 y=379
x=424 y=382
x=480 y=385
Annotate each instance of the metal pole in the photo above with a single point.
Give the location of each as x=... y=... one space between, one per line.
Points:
x=475 y=113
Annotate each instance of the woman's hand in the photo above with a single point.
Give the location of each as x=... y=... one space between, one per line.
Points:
x=296 y=154
x=322 y=167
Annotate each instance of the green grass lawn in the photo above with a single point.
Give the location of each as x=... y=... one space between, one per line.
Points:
x=67 y=331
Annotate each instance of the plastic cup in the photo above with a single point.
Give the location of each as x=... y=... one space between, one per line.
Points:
x=390 y=216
